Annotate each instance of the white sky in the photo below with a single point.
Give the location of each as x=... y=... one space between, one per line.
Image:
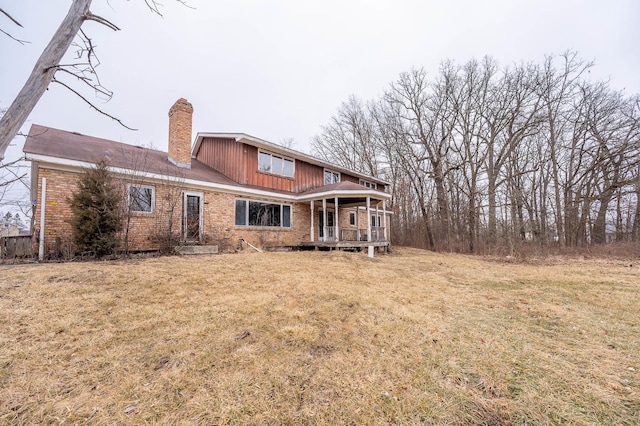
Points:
x=279 y=69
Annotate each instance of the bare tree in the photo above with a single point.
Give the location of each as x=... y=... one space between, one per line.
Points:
x=349 y=140
x=481 y=158
x=169 y=212
x=49 y=68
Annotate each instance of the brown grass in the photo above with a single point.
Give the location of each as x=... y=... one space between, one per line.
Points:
x=320 y=338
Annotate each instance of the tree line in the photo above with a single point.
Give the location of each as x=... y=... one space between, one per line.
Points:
x=482 y=158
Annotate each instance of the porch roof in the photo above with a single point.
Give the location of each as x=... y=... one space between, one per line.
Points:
x=347 y=192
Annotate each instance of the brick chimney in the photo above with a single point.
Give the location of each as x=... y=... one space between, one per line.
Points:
x=180 y=133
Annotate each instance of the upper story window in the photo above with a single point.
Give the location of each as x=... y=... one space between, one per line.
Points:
x=331 y=177
x=368 y=184
x=141 y=198
x=273 y=163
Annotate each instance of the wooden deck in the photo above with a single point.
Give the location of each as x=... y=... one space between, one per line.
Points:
x=344 y=244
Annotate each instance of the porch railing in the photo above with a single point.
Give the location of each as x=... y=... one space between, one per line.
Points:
x=329 y=233
x=377 y=234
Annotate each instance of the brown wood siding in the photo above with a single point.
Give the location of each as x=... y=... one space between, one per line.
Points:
x=265 y=180
x=306 y=176
x=348 y=178
x=225 y=156
x=239 y=162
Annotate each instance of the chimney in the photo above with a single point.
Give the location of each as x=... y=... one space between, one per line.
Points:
x=180 y=133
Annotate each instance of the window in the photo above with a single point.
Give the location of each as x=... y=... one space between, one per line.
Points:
x=241 y=212
x=272 y=163
x=331 y=177
x=368 y=184
x=141 y=198
x=376 y=220
x=257 y=213
x=352 y=218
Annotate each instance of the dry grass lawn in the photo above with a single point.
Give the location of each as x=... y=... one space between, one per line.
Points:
x=320 y=338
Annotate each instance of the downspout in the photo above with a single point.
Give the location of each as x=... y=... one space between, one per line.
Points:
x=42 y=209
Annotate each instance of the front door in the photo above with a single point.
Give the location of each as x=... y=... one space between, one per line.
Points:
x=192 y=216
x=330 y=224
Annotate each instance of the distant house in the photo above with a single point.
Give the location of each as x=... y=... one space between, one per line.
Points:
x=222 y=188
x=8 y=229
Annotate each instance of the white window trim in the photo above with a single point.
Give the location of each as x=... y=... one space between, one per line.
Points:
x=153 y=198
x=352 y=214
x=246 y=215
x=378 y=220
x=330 y=171
x=184 y=211
x=372 y=185
x=271 y=155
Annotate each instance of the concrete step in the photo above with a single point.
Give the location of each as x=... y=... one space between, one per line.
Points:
x=185 y=250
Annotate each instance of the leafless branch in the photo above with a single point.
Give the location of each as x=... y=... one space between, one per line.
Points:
x=154 y=5
x=13 y=38
x=99 y=19
x=91 y=104
x=10 y=17
x=8 y=168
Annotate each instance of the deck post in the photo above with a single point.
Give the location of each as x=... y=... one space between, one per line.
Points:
x=335 y=219
x=311 y=230
x=324 y=219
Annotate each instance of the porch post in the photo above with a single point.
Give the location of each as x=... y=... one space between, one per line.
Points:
x=368 y=218
x=324 y=219
x=357 y=223
x=311 y=228
x=335 y=219
x=377 y=223
x=384 y=218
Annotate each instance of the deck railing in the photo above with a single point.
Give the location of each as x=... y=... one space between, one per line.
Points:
x=329 y=233
x=377 y=234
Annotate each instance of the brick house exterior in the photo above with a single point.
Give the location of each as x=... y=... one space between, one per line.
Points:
x=222 y=188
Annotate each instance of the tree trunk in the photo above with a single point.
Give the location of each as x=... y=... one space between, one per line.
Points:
x=42 y=73
x=444 y=222
x=600 y=225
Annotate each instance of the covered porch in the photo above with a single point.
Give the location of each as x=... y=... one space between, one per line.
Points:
x=346 y=215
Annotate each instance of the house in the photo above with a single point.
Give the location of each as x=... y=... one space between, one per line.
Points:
x=8 y=229
x=222 y=188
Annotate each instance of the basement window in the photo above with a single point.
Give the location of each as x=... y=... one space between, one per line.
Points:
x=141 y=198
x=264 y=214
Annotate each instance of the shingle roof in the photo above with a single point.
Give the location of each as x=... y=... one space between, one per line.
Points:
x=75 y=146
x=339 y=186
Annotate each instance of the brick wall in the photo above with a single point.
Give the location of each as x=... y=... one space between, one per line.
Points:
x=180 y=116
x=147 y=230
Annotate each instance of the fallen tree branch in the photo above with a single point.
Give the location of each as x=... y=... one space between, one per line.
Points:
x=251 y=245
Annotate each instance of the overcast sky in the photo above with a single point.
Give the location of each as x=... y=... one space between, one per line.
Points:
x=279 y=69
